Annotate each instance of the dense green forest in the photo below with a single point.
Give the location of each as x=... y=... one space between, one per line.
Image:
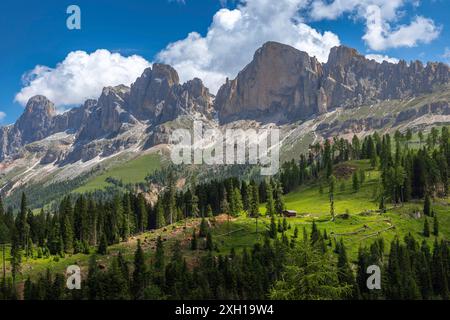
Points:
x=310 y=265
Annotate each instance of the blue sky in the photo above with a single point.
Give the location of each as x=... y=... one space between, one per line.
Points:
x=136 y=33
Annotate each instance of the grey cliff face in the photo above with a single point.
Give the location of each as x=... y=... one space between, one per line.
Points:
x=35 y=122
x=158 y=96
x=282 y=84
x=75 y=118
x=351 y=80
x=108 y=116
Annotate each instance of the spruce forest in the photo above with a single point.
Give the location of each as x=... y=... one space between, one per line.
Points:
x=378 y=201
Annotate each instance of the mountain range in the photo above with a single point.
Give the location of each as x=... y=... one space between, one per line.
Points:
x=281 y=86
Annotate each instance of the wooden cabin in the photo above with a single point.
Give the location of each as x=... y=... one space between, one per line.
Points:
x=289 y=213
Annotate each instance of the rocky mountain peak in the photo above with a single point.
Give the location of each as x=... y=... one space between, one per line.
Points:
x=40 y=105
x=35 y=123
x=164 y=72
x=282 y=83
x=109 y=114
x=196 y=88
x=342 y=55
x=158 y=96
x=275 y=52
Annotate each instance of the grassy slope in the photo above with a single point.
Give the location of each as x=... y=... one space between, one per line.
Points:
x=133 y=171
x=241 y=232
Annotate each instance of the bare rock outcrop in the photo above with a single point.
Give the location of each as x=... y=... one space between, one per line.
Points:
x=283 y=84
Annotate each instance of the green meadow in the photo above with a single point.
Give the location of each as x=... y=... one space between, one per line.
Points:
x=133 y=171
x=357 y=221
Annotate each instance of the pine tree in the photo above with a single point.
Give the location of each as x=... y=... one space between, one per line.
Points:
x=345 y=273
x=285 y=224
x=426 y=228
x=22 y=226
x=362 y=176
x=224 y=204
x=382 y=205
x=16 y=256
x=80 y=219
x=203 y=228
x=58 y=287
x=170 y=203
x=117 y=285
x=237 y=200
x=159 y=256
x=93 y=216
x=28 y=289
x=254 y=204
x=194 y=241
x=427 y=206
x=142 y=215
x=424 y=271
x=123 y=265
x=139 y=273
x=315 y=234
x=438 y=271
x=160 y=219
x=2 y=210
x=103 y=246
x=93 y=279
x=254 y=200
x=209 y=212
x=66 y=224
x=273 y=228
x=295 y=232
x=245 y=195
x=126 y=224
x=328 y=161
x=115 y=219
x=279 y=199
x=209 y=242
x=435 y=225
x=270 y=205
x=194 y=205
x=355 y=182
x=332 y=188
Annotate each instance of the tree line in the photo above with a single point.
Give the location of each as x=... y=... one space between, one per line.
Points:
x=406 y=172
x=308 y=266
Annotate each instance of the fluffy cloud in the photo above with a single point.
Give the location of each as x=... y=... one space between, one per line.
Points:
x=380 y=58
x=81 y=76
x=234 y=36
x=321 y=9
x=380 y=36
x=381 y=16
x=2 y=116
x=446 y=54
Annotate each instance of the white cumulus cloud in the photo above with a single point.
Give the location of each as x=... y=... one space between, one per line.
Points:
x=81 y=76
x=2 y=116
x=381 y=17
x=234 y=35
x=380 y=58
x=446 y=54
x=380 y=36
